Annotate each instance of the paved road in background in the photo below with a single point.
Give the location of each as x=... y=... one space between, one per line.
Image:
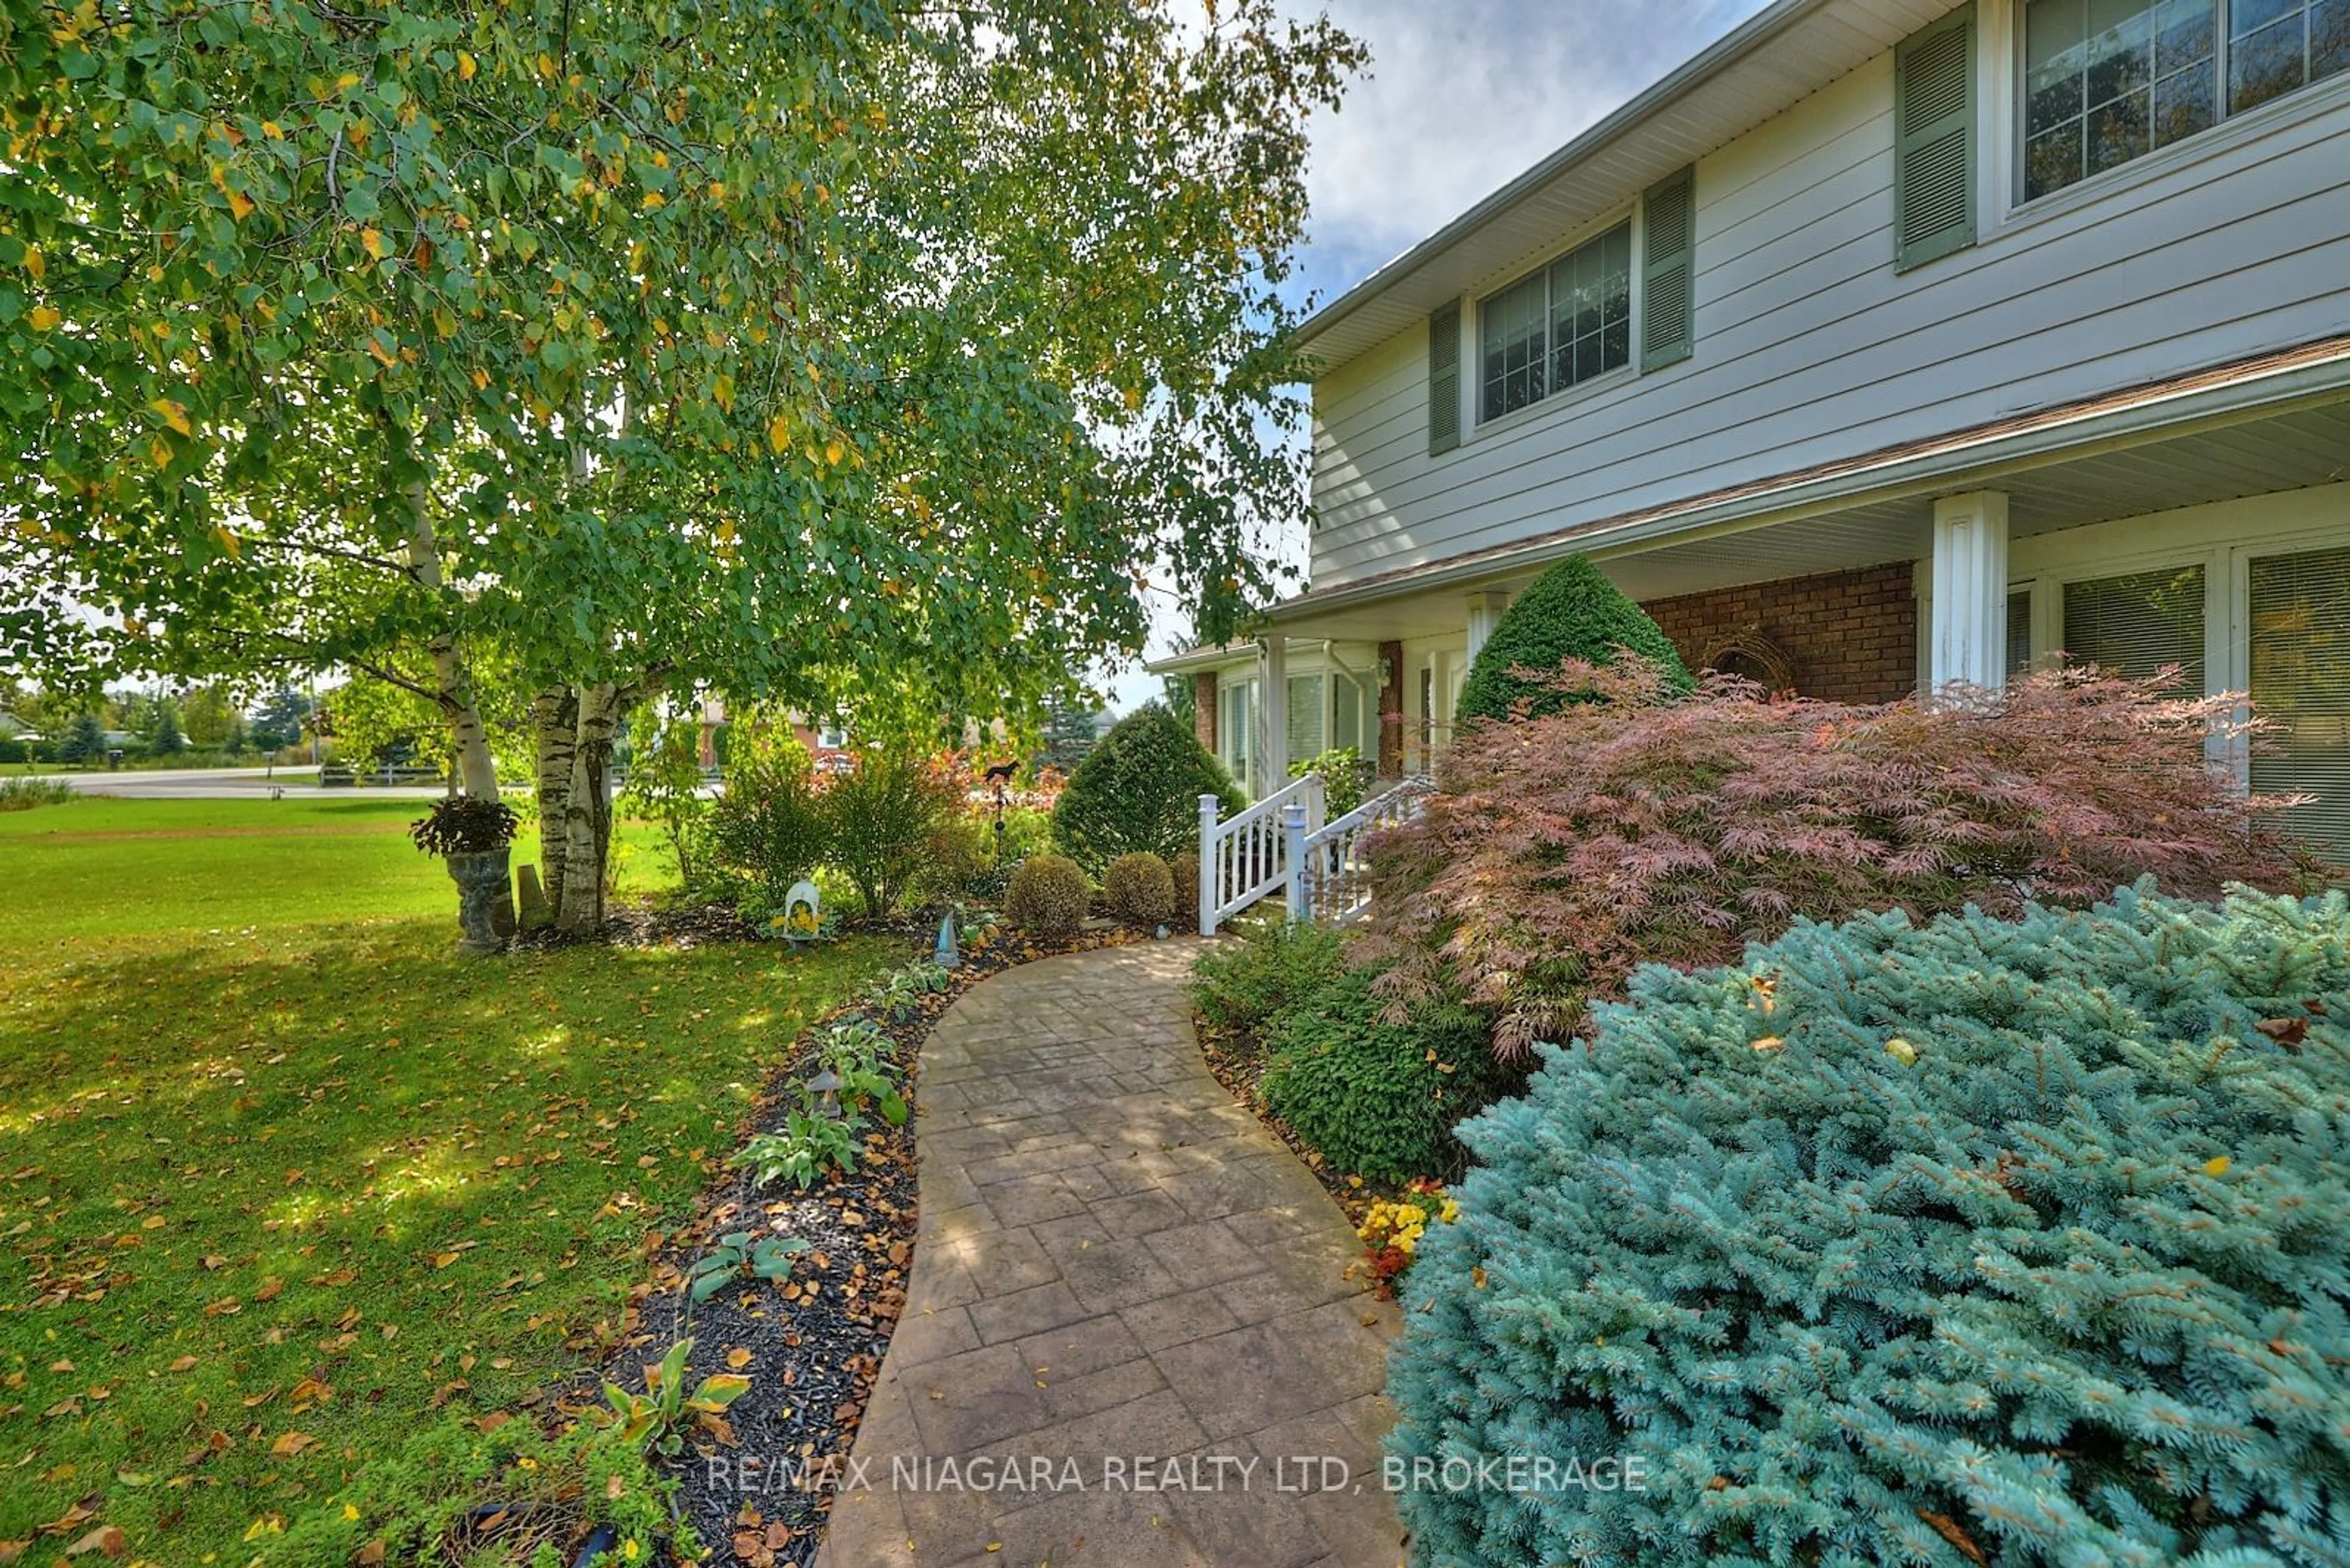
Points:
x=231 y=783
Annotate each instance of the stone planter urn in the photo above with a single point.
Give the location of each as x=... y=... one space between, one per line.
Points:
x=486 y=911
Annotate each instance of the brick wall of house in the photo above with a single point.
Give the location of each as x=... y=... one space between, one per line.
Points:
x=1203 y=709
x=1845 y=636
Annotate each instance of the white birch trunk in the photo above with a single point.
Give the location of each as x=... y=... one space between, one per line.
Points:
x=476 y=773
x=554 y=723
x=587 y=817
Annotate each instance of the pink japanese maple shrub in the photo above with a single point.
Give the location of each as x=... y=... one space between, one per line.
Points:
x=1564 y=851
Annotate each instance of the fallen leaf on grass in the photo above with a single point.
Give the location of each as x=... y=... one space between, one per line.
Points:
x=105 y=1538
x=185 y=1364
x=291 y=1444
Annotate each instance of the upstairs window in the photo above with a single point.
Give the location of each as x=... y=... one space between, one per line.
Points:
x=2106 y=81
x=1567 y=324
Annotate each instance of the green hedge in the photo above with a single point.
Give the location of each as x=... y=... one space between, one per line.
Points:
x=2016 y=1243
x=1571 y=611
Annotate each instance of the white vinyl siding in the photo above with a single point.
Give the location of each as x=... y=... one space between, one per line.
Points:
x=1814 y=349
x=2299 y=637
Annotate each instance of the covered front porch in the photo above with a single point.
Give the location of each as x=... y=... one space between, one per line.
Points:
x=2224 y=551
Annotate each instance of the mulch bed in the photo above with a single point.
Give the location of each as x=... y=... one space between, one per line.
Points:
x=754 y=1488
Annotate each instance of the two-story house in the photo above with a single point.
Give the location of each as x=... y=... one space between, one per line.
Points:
x=1882 y=343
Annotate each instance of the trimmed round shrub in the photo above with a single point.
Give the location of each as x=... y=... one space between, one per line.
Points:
x=1138 y=793
x=1184 y=869
x=1380 y=1100
x=2006 y=1242
x=1571 y=611
x=1139 y=891
x=1048 y=895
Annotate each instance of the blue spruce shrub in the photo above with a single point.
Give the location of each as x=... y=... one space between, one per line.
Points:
x=1990 y=1241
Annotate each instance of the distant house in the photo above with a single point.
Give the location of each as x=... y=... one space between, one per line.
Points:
x=11 y=728
x=1883 y=342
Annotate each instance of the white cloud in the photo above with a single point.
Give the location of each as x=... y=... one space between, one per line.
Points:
x=1462 y=96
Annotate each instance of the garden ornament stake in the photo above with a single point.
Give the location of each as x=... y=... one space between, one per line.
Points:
x=826 y=1085
x=946 y=955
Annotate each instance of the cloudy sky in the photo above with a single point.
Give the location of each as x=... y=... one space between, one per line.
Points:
x=1461 y=96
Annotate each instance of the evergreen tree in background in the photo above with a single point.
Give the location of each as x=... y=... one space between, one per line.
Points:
x=159 y=734
x=1983 y=1241
x=1070 y=735
x=84 y=740
x=277 y=722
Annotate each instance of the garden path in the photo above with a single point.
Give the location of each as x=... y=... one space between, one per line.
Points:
x=1117 y=1267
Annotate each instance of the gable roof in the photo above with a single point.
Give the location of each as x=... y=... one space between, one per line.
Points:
x=1784 y=52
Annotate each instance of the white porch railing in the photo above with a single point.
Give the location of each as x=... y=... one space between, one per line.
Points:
x=1329 y=878
x=1246 y=856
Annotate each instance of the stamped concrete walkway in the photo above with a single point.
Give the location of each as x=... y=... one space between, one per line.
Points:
x=1119 y=1274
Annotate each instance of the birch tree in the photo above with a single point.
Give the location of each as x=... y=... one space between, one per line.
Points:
x=856 y=356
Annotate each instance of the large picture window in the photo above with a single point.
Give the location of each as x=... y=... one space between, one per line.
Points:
x=2106 y=81
x=1565 y=323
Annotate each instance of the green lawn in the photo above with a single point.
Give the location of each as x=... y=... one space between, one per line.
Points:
x=279 y=1178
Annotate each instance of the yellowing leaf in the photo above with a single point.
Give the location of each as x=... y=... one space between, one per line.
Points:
x=239 y=205
x=654 y=202
x=376 y=245
x=44 y=319
x=738 y=1358
x=1901 y=1051
x=292 y=1443
x=174 y=414
x=832 y=453
x=236 y=547
x=779 y=433
x=347 y=80
x=271 y=129
x=547 y=67
x=2216 y=1167
x=36 y=262
x=466 y=66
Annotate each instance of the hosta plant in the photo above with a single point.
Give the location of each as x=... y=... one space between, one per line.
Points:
x=658 y=1417
x=741 y=1255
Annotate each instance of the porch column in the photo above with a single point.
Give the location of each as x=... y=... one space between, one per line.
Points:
x=1969 y=641
x=1271 y=716
x=1485 y=612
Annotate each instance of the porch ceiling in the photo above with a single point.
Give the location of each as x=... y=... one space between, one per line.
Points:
x=2286 y=451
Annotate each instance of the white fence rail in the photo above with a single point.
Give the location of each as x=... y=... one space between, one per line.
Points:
x=1329 y=878
x=1246 y=856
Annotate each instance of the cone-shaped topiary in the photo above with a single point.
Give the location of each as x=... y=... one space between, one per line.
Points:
x=1988 y=1242
x=1571 y=611
x=1138 y=793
